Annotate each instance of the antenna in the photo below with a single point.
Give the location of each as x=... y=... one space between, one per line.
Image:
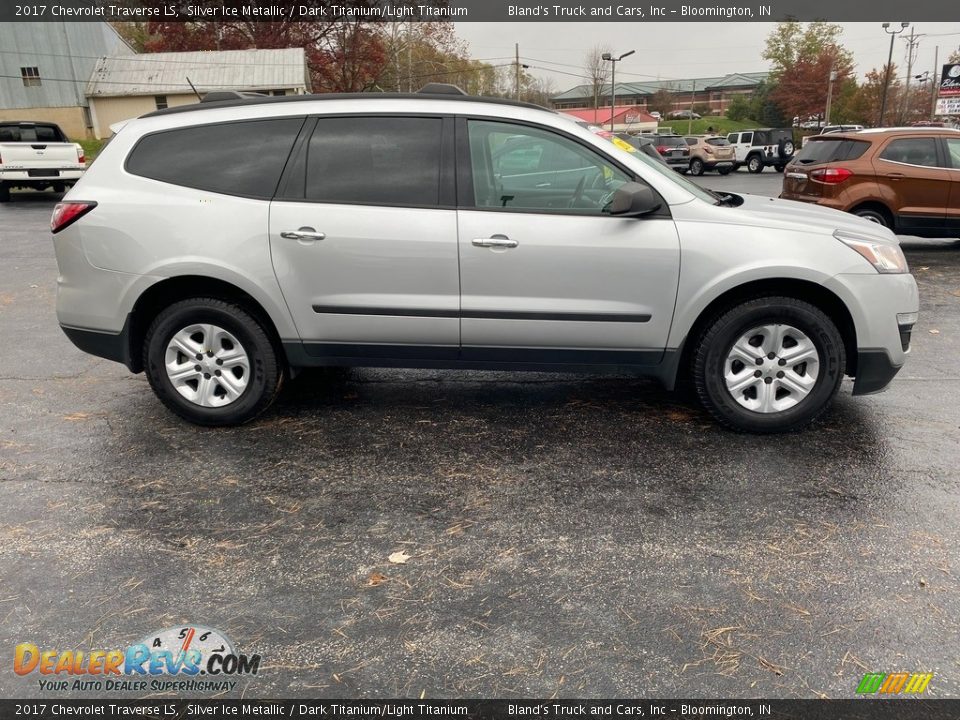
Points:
x=195 y=92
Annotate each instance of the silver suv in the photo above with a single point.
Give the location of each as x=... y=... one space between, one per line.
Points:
x=223 y=246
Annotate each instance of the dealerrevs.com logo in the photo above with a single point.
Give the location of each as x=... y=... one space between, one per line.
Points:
x=180 y=659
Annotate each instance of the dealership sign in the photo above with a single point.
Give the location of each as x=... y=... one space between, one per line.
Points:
x=950 y=81
x=948 y=106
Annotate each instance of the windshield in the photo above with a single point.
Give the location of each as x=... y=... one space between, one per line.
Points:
x=676 y=177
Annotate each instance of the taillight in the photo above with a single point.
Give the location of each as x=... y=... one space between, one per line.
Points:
x=830 y=176
x=67 y=213
x=81 y=158
x=663 y=149
x=708 y=150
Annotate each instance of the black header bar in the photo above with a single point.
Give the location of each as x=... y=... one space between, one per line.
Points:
x=475 y=10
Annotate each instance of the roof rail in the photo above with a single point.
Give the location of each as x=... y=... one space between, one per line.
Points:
x=440 y=89
x=218 y=95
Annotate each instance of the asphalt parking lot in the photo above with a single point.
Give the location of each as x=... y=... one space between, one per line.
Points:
x=567 y=536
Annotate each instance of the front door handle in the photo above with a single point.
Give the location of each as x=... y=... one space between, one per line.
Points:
x=497 y=241
x=305 y=233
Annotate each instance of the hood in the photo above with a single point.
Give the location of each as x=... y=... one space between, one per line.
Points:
x=769 y=212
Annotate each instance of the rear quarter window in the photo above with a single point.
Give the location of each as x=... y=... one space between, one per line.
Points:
x=242 y=158
x=826 y=151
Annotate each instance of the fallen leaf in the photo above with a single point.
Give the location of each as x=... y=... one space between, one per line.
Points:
x=73 y=417
x=376 y=579
x=923 y=582
x=399 y=558
x=934 y=332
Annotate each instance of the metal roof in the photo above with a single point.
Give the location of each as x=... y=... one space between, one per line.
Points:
x=649 y=87
x=167 y=73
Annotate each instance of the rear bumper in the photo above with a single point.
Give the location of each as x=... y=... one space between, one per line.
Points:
x=875 y=370
x=24 y=176
x=111 y=346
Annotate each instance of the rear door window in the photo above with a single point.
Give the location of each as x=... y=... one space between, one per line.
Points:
x=826 y=151
x=953 y=152
x=746 y=137
x=912 y=151
x=379 y=160
x=238 y=158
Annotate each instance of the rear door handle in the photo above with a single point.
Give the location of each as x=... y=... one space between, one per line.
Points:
x=304 y=233
x=497 y=241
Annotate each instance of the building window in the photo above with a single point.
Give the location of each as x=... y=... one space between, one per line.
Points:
x=30 y=76
x=161 y=101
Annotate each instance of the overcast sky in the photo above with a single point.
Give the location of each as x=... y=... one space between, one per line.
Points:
x=682 y=50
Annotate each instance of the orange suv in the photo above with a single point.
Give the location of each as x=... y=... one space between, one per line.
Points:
x=907 y=179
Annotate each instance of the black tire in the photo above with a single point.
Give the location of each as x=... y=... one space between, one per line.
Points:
x=713 y=346
x=59 y=188
x=755 y=164
x=696 y=167
x=4 y=193
x=725 y=171
x=266 y=371
x=874 y=215
x=778 y=168
x=786 y=149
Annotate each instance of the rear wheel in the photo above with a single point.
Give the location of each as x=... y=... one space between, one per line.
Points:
x=755 y=164
x=211 y=362
x=771 y=364
x=778 y=168
x=875 y=215
x=696 y=167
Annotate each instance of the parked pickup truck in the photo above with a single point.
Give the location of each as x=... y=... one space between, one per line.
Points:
x=37 y=155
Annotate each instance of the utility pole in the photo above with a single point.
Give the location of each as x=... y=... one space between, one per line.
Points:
x=886 y=77
x=911 y=44
x=516 y=67
x=934 y=83
x=833 y=77
x=693 y=97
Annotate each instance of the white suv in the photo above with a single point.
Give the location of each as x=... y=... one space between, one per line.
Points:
x=223 y=246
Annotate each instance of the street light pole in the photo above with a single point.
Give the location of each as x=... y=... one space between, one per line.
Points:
x=613 y=81
x=886 y=78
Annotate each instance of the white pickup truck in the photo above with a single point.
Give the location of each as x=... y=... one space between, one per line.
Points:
x=37 y=155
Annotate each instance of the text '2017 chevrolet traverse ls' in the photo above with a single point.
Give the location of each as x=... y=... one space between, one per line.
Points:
x=221 y=247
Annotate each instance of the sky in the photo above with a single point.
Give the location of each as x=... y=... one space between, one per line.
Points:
x=683 y=50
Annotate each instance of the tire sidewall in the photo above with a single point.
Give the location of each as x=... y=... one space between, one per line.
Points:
x=181 y=315
x=821 y=331
x=869 y=214
x=696 y=166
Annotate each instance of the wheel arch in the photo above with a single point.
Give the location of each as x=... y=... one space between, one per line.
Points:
x=814 y=293
x=181 y=287
x=877 y=205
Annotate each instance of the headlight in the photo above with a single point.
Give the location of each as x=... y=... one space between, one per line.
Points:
x=884 y=257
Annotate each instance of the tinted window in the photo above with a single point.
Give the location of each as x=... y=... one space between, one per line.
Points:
x=691 y=141
x=912 y=151
x=525 y=168
x=34 y=133
x=746 y=137
x=376 y=160
x=667 y=141
x=718 y=141
x=241 y=158
x=824 y=151
x=953 y=151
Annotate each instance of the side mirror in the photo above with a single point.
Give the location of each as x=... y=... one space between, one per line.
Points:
x=634 y=200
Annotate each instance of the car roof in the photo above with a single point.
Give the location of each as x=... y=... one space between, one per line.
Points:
x=905 y=130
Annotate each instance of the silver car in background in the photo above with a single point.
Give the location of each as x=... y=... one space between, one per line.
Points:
x=222 y=247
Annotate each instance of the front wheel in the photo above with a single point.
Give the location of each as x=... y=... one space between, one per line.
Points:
x=772 y=364
x=725 y=171
x=696 y=167
x=755 y=164
x=211 y=362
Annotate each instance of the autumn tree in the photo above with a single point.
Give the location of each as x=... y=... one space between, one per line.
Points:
x=804 y=55
x=662 y=101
